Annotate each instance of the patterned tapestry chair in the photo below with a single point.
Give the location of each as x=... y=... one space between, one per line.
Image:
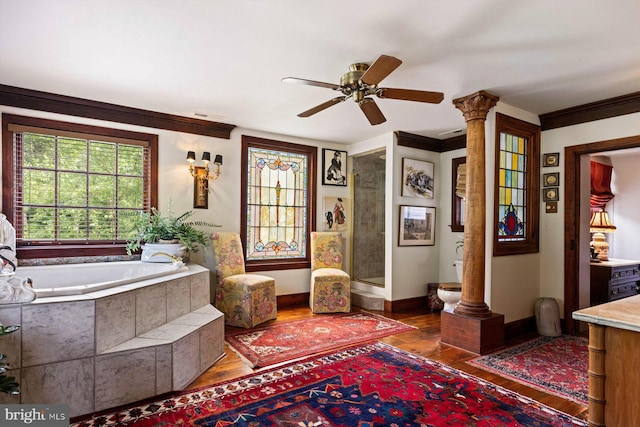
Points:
x=330 y=286
x=245 y=299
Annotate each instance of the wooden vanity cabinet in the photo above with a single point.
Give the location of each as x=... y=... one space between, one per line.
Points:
x=614 y=279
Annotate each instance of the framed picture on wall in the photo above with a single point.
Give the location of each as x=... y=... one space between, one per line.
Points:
x=417 y=178
x=417 y=226
x=551 y=179
x=551 y=194
x=334 y=167
x=335 y=213
x=551 y=159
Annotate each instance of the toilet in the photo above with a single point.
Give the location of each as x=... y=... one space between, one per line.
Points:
x=450 y=293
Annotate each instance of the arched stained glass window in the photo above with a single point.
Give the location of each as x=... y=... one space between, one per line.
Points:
x=277 y=203
x=517 y=184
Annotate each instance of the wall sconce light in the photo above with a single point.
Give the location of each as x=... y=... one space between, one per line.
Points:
x=598 y=225
x=202 y=176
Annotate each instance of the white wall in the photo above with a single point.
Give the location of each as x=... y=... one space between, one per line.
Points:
x=623 y=209
x=414 y=266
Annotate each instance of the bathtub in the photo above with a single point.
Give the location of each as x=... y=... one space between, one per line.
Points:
x=78 y=279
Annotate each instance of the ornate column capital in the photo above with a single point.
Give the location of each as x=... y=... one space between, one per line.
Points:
x=476 y=106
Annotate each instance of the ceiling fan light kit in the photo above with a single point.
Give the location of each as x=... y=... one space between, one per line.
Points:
x=361 y=82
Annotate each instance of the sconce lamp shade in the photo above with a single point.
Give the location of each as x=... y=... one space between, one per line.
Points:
x=600 y=223
x=191 y=156
x=218 y=160
x=206 y=156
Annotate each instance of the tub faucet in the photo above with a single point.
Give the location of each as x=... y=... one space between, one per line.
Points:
x=174 y=259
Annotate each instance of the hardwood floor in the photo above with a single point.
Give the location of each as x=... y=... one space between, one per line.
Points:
x=424 y=341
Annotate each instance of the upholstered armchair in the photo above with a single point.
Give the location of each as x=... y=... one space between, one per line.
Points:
x=245 y=299
x=330 y=286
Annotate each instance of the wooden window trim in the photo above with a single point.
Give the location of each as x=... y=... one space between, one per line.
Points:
x=532 y=132
x=71 y=249
x=312 y=153
x=456 y=202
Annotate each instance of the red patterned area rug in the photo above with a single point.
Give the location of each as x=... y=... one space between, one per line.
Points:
x=281 y=342
x=365 y=385
x=556 y=365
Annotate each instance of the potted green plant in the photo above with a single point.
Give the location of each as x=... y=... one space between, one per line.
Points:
x=172 y=236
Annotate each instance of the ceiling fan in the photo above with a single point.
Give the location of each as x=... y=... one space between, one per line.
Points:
x=361 y=82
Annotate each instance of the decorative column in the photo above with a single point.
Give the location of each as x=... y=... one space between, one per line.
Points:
x=472 y=325
x=474 y=108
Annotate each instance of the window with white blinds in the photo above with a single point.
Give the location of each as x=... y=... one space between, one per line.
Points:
x=73 y=187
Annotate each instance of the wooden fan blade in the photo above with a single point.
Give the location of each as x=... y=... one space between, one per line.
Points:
x=323 y=106
x=381 y=68
x=310 y=83
x=371 y=110
x=410 y=95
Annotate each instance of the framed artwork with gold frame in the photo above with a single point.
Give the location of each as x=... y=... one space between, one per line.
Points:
x=551 y=179
x=551 y=159
x=551 y=194
x=200 y=188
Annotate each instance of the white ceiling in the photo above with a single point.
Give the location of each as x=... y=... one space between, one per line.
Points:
x=226 y=58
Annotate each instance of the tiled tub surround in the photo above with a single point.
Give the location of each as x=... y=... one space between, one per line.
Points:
x=114 y=346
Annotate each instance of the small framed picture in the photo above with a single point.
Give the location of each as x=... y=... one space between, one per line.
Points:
x=550 y=194
x=551 y=207
x=334 y=167
x=335 y=213
x=551 y=159
x=417 y=226
x=417 y=178
x=551 y=179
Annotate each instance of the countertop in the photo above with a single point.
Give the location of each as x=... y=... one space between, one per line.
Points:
x=622 y=314
x=613 y=262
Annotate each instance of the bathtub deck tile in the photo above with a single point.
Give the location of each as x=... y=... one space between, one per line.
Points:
x=211 y=343
x=200 y=290
x=178 y=298
x=199 y=318
x=151 y=308
x=164 y=363
x=124 y=377
x=57 y=332
x=70 y=382
x=170 y=331
x=187 y=352
x=64 y=298
x=115 y=320
x=136 y=343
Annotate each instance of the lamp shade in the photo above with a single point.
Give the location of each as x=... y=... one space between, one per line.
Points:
x=218 y=160
x=191 y=156
x=600 y=223
x=206 y=156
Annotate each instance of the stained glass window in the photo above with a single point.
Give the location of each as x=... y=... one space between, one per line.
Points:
x=512 y=187
x=517 y=183
x=278 y=208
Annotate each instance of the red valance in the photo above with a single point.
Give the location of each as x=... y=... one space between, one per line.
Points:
x=600 y=185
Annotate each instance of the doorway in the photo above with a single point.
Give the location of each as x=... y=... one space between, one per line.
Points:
x=572 y=235
x=369 y=218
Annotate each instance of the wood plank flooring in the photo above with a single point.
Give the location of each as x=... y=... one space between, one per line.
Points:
x=424 y=341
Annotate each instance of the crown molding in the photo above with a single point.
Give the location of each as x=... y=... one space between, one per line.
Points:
x=80 y=107
x=407 y=139
x=607 y=108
